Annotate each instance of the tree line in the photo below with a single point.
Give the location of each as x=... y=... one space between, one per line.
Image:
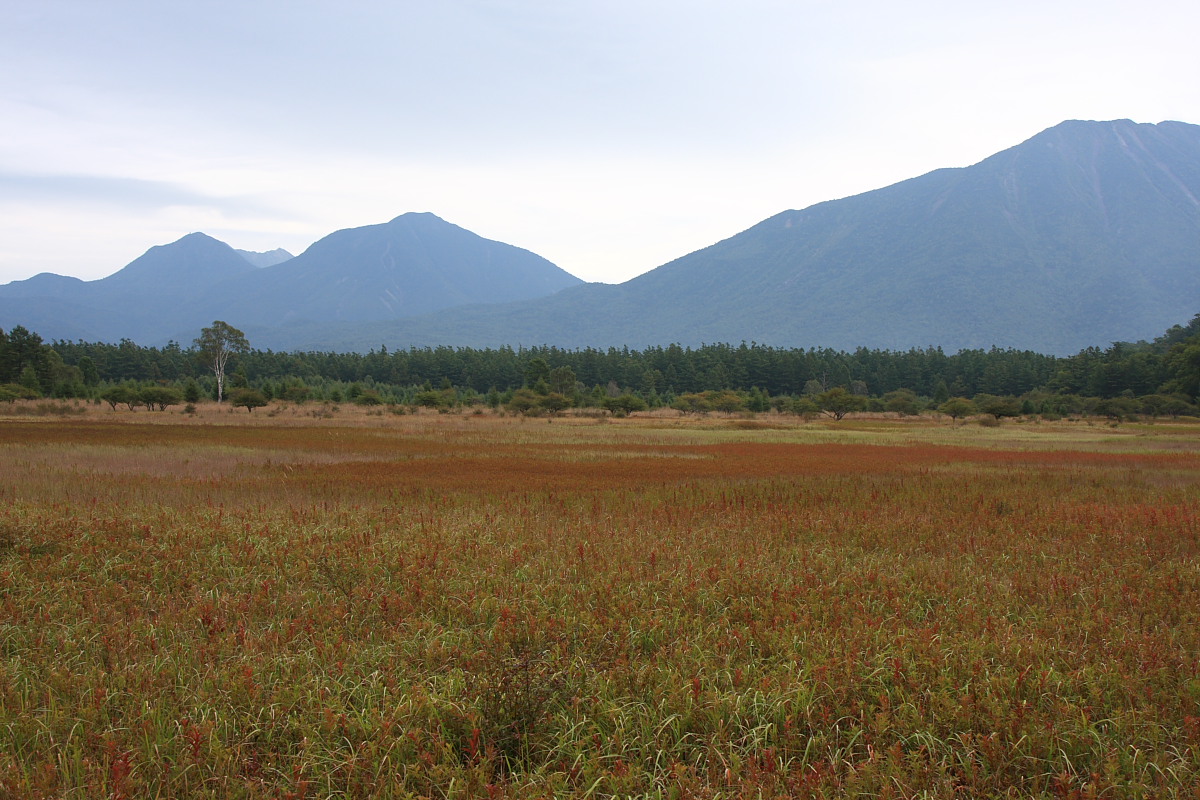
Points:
x=709 y=377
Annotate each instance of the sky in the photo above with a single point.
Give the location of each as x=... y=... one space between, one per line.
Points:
x=609 y=137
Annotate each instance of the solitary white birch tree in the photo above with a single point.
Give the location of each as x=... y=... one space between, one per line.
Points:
x=216 y=344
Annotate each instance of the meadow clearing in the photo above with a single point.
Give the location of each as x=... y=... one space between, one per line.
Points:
x=468 y=605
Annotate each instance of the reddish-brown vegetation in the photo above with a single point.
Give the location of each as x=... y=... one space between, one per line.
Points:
x=457 y=606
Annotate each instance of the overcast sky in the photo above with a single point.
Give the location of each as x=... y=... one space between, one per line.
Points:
x=609 y=137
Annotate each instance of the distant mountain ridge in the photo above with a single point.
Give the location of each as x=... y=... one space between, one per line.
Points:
x=415 y=264
x=265 y=259
x=1086 y=233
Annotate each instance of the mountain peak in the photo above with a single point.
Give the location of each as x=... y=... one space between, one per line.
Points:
x=1086 y=233
x=196 y=237
x=418 y=216
x=417 y=263
x=191 y=261
x=1079 y=131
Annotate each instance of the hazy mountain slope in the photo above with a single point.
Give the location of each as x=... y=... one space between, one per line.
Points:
x=1087 y=233
x=183 y=267
x=150 y=296
x=62 y=318
x=44 y=284
x=415 y=264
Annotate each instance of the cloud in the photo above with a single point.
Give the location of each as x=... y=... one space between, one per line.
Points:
x=609 y=137
x=90 y=225
x=128 y=192
x=115 y=193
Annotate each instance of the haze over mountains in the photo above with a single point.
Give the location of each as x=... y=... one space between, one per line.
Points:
x=415 y=264
x=1085 y=234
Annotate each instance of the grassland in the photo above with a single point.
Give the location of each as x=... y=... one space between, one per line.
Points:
x=287 y=606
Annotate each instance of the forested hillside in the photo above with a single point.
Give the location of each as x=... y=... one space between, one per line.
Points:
x=713 y=377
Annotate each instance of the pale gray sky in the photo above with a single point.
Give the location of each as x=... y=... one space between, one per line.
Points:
x=609 y=137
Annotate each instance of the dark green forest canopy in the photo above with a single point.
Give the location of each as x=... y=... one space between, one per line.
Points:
x=1167 y=364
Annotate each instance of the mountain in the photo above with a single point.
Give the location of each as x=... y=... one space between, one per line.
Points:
x=268 y=259
x=190 y=264
x=415 y=264
x=139 y=302
x=44 y=284
x=178 y=270
x=1085 y=234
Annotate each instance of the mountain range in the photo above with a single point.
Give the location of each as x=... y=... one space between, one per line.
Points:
x=416 y=264
x=1087 y=233
x=267 y=259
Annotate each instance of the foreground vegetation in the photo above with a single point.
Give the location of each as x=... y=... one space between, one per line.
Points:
x=461 y=605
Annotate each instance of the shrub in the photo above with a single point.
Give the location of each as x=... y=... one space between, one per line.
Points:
x=555 y=402
x=121 y=396
x=957 y=407
x=903 y=402
x=524 y=401
x=804 y=406
x=624 y=404
x=998 y=406
x=838 y=402
x=249 y=399
x=368 y=397
x=11 y=392
x=160 y=397
x=435 y=398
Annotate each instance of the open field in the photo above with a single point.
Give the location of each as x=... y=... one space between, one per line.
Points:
x=236 y=605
